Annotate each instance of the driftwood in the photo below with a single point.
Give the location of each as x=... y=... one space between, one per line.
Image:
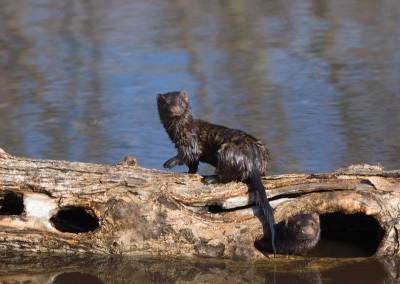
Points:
x=71 y=207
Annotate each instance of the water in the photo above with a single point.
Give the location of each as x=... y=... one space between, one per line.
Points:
x=318 y=81
x=66 y=270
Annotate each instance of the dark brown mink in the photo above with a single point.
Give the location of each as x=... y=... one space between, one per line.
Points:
x=297 y=235
x=236 y=155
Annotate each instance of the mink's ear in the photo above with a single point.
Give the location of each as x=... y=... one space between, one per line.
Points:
x=184 y=95
x=160 y=97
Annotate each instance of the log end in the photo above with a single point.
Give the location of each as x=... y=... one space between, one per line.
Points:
x=4 y=154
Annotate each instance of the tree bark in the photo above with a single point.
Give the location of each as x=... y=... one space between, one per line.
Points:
x=72 y=207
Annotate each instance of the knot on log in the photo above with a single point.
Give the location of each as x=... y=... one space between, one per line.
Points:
x=128 y=161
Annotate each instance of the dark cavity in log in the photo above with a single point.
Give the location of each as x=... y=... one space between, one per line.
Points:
x=218 y=208
x=76 y=277
x=348 y=235
x=73 y=219
x=11 y=203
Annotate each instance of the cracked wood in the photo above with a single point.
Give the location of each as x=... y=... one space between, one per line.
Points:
x=145 y=211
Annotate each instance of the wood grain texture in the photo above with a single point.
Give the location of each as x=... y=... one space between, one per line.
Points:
x=148 y=212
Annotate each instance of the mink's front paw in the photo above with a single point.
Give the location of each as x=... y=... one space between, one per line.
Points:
x=169 y=164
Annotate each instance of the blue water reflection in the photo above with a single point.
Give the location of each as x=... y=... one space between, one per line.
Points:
x=316 y=80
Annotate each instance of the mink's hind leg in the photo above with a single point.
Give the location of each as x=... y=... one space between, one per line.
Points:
x=232 y=163
x=227 y=168
x=211 y=179
x=174 y=161
x=193 y=167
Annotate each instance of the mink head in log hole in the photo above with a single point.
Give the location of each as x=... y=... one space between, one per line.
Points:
x=299 y=234
x=236 y=155
x=296 y=235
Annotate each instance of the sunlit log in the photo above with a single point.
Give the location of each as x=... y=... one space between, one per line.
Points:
x=71 y=207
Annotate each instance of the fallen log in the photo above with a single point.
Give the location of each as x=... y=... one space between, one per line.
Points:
x=72 y=207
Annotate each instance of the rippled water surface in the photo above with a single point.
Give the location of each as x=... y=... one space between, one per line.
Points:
x=318 y=81
x=66 y=270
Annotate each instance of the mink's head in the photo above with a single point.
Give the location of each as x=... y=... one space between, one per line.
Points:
x=173 y=104
x=304 y=226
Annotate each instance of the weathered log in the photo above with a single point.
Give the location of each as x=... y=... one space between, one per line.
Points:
x=71 y=207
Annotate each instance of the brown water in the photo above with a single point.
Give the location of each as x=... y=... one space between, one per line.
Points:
x=66 y=270
x=318 y=81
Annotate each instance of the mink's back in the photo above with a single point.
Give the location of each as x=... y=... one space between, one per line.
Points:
x=218 y=134
x=217 y=140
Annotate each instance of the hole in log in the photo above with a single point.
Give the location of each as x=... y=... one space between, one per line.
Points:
x=11 y=203
x=348 y=235
x=73 y=219
x=76 y=277
x=217 y=208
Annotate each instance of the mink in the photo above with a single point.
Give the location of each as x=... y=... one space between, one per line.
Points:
x=236 y=155
x=299 y=234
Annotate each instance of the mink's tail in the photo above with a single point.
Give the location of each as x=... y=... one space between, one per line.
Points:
x=266 y=209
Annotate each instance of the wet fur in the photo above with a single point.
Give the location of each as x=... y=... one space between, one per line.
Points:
x=236 y=155
x=299 y=234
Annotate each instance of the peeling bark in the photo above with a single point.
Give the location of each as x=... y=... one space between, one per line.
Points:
x=71 y=207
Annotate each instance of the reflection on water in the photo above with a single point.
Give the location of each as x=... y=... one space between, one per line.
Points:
x=76 y=277
x=317 y=80
x=169 y=270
